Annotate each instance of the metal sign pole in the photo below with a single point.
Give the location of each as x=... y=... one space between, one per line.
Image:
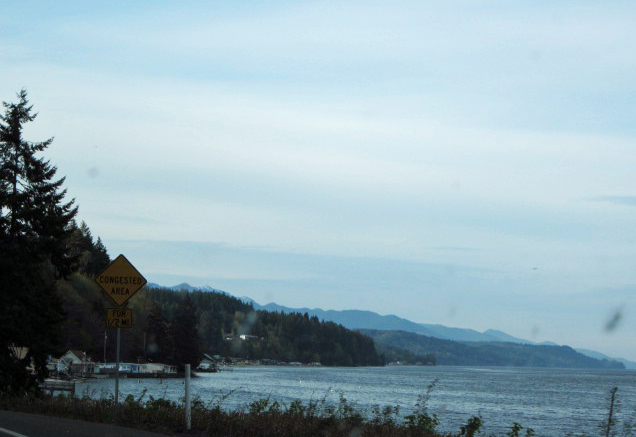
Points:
x=117 y=367
x=119 y=280
x=188 y=408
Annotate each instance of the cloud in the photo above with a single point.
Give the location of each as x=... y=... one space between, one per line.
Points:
x=455 y=248
x=617 y=200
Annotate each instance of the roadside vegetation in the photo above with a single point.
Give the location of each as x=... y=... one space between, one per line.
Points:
x=260 y=418
x=267 y=417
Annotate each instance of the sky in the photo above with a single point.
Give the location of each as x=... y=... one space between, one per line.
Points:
x=467 y=163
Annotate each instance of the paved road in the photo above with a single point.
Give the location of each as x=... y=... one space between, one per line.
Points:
x=34 y=425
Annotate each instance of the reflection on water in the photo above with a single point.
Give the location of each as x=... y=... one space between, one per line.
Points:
x=554 y=402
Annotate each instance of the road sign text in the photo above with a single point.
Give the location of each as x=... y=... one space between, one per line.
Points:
x=119 y=317
x=120 y=280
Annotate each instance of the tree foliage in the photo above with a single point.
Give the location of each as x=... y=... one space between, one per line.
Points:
x=35 y=226
x=158 y=342
x=176 y=327
x=34 y=214
x=184 y=335
x=91 y=255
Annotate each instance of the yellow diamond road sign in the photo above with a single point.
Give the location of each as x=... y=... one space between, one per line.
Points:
x=120 y=280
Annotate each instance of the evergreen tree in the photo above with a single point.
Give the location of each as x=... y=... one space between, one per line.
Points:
x=99 y=258
x=32 y=212
x=35 y=226
x=158 y=344
x=185 y=337
x=91 y=256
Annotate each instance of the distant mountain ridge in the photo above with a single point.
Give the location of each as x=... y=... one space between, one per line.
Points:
x=186 y=287
x=358 y=319
x=369 y=320
x=599 y=356
x=491 y=353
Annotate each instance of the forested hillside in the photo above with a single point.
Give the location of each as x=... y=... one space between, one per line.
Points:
x=178 y=326
x=455 y=353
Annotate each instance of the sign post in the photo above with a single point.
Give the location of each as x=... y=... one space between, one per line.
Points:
x=117 y=367
x=188 y=404
x=120 y=281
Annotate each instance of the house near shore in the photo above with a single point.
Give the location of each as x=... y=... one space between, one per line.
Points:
x=152 y=369
x=108 y=368
x=208 y=364
x=51 y=365
x=76 y=363
x=159 y=368
x=242 y=337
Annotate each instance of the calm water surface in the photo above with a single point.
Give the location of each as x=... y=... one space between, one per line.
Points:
x=554 y=402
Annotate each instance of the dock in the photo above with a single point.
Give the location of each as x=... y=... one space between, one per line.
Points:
x=56 y=385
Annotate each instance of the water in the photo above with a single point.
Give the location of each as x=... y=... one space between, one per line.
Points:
x=554 y=402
